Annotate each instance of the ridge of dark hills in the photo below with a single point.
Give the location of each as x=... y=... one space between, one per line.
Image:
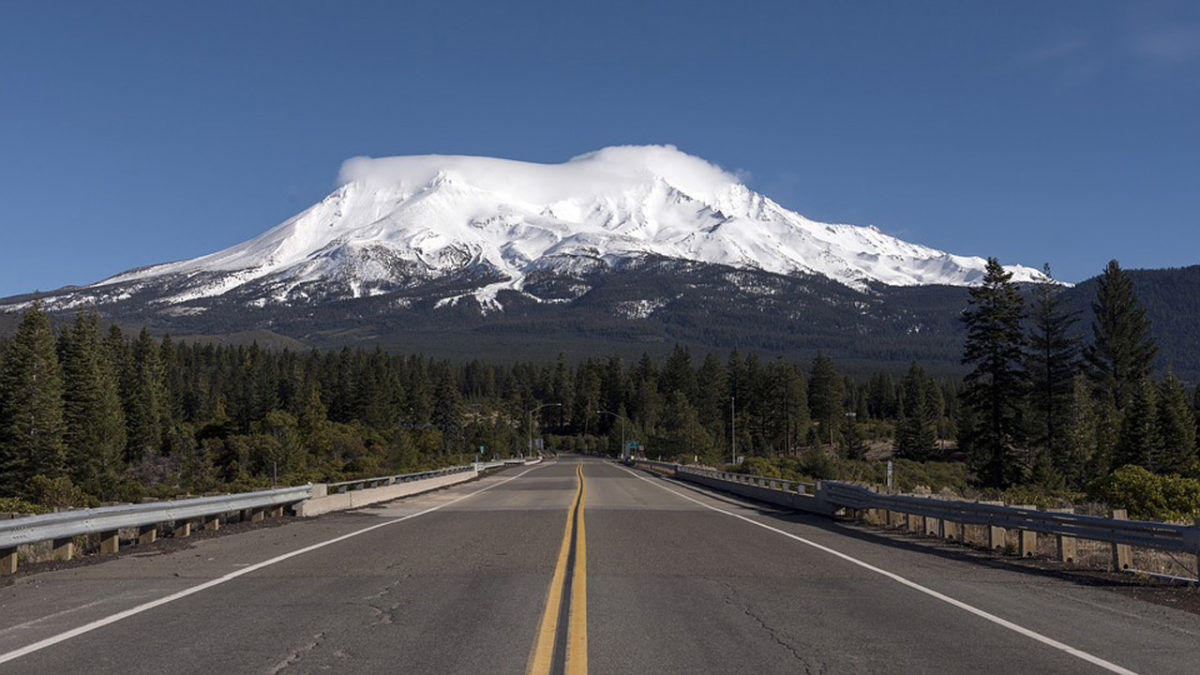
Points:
x=651 y=307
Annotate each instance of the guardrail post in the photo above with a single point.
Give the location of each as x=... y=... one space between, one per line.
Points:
x=933 y=527
x=62 y=549
x=952 y=530
x=212 y=523
x=1122 y=554
x=8 y=561
x=110 y=542
x=912 y=522
x=147 y=534
x=276 y=512
x=996 y=537
x=256 y=515
x=1027 y=539
x=1064 y=546
x=1195 y=537
x=183 y=528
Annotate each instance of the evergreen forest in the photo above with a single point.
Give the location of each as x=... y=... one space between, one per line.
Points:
x=90 y=414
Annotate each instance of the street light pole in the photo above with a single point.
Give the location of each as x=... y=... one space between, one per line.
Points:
x=530 y=429
x=732 y=430
x=620 y=417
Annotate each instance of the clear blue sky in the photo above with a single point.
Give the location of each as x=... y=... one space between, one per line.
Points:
x=1066 y=132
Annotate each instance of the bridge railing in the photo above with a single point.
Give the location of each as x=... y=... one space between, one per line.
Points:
x=381 y=481
x=947 y=517
x=61 y=528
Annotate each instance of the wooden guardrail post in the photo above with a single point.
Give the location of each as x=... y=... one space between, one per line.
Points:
x=276 y=512
x=183 y=528
x=212 y=523
x=933 y=527
x=110 y=542
x=8 y=561
x=1196 y=544
x=147 y=534
x=1122 y=554
x=913 y=522
x=62 y=549
x=996 y=536
x=1027 y=539
x=1064 y=545
x=256 y=515
x=951 y=530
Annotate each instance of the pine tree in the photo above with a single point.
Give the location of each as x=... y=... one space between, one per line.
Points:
x=314 y=425
x=95 y=423
x=448 y=410
x=1176 y=451
x=1122 y=351
x=917 y=429
x=682 y=434
x=713 y=399
x=996 y=387
x=145 y=400
x=826 y=395
x=1051 y=361
x=1139 y=427
x=1077 y=464
x=31 y=406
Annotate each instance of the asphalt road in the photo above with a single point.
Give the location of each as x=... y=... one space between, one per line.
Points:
x=651 y=576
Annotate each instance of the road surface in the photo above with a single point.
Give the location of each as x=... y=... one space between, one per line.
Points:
x=571 y=566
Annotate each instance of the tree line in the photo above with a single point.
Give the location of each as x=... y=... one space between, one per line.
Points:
x=1043 y=405
x=88 y=413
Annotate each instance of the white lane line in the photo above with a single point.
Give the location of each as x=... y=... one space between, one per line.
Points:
x=100 y=623
x=1051 y=642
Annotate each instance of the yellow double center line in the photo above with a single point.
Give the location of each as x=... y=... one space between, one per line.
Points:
x=542 y=658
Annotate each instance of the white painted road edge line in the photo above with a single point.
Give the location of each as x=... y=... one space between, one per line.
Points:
x=1051 y=642
x=100 y=623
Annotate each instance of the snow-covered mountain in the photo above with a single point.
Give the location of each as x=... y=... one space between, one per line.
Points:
x=400 y=223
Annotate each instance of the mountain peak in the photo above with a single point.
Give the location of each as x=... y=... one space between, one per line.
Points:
x=396 y=224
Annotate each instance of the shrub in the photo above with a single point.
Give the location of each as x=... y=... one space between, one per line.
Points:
x=14 y=505
x=1148 y=496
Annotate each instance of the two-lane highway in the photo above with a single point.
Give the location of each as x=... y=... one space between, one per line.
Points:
x=571 y=566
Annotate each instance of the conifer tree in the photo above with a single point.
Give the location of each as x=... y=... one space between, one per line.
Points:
x=448 y=410
x=1139 y=437
x=31 y=406
x=713 y=399
x=916 y=432
x=94 y=420
x=314 y=425
x=1122 y=351
x=145 y=400
x=1077 y=464
x=996 y=386
x=826 y=395
x=1051 y=360
x=1176 y=451
x=787 y=418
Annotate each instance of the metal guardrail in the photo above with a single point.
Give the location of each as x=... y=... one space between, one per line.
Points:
x=661 y=466
x=65 y=524
x=380 y=481
x=835 y=495
x=1148 y=534
x=798 y=487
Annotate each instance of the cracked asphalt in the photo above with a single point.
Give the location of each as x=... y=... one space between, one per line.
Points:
x=672 y=587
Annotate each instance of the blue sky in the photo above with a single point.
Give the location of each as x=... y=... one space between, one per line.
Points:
x=1068 y=132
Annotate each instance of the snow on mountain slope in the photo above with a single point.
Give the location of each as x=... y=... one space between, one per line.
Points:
x=399 y=221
